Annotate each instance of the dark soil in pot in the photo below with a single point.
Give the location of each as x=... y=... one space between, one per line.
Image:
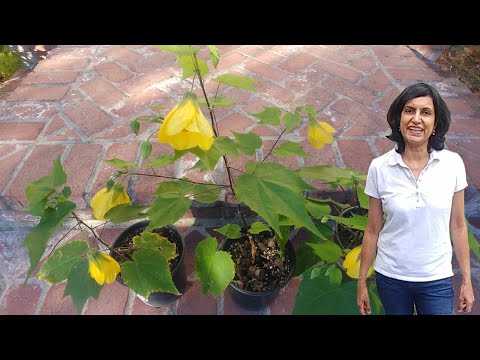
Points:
x=260 y=273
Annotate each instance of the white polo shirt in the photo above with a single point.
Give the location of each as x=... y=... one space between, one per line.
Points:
x=414 y=244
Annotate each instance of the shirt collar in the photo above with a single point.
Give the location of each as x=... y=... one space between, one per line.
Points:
x=396 y=158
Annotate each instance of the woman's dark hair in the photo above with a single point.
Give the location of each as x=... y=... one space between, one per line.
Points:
x=442 y=116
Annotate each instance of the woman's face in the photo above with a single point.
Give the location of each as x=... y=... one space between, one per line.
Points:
x=417 y=121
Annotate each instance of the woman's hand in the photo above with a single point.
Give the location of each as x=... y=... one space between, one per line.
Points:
x=466 y=298
x=363 y=301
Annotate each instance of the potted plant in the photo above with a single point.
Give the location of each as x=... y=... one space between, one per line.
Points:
x=253 y=259
x=166 y=238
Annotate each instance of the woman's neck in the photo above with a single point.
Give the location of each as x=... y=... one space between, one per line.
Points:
x=415 y=154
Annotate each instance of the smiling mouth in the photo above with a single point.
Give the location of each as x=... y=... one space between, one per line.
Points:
x=415 y=130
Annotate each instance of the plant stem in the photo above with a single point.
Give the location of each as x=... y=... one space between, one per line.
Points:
x=215 y=130
x=197 y=70
x=80 y=221
x=63 y=237
x=276 y=141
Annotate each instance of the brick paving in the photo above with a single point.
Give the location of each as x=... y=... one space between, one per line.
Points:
x=78 y=103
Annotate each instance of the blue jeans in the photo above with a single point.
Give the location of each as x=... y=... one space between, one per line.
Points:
x=428 y=297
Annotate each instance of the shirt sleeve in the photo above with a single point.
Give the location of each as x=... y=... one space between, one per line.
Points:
x=371 y=187
x=461 y=175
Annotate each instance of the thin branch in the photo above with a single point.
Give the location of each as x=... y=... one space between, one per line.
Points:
x=174 y=178
x=276 y=141
x=197 y=69
x=63 y=237
x=243 y=172
x=216 y=132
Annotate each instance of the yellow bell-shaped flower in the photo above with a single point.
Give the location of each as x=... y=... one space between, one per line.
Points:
x=320 y=133
x=185 y=127
x=104 y=200
x=352 y=263
x=102 y=267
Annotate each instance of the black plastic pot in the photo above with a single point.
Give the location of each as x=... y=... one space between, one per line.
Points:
x=179 y=277
x=357 y=210
x=254 y=301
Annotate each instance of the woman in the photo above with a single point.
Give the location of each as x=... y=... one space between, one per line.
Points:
x=419 y=185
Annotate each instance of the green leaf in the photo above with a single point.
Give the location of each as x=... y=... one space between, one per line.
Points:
x=331 y=174
x=148 y=240
x=355 y=222
x=306 y=257
x=214 y=55
x=58 y=174
x=311 y=112
x=257 y=227
x=242 y=82
x=125 y=212
x=162 y=160
x=146 y=149
x=291 y=121
x=375 y=302
x=118 y=190
x=248 y=142
x=67 y=191
x=331 y=201
x=316 y=208
x=274 y=190
x=473 y=243
x=317 y=271
x=148 y=272
x=165 y=211
x=226 y=146
x=179 y=50
x=37 y=239
x=362 y=197
x=209 y=157
x=135 y=126
x=37 y=192
x=58 y=265
x=118 y=163
x=282 y=237
x=327 y=250
x=206 y=193
x=110 y=183
x=81 y=286
x=215 y=269
x=231 y=231
x=217 y=101
x=289 y=148
x=200 y=166
x=269 y=116
x=334 y=274
x=157 y=119
x=174 y=189
x=187 y=63
x=318 y=296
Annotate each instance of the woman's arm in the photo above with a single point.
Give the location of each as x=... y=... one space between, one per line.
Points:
x=369 y=248
x=459 y=235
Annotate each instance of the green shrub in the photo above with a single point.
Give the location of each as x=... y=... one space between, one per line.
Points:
x=9 y=63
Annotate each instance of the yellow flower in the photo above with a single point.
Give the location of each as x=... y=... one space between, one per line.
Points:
x=320 y=133
x=185 y=126
x=105 y=200
x=352 y=263
x=102 y=267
